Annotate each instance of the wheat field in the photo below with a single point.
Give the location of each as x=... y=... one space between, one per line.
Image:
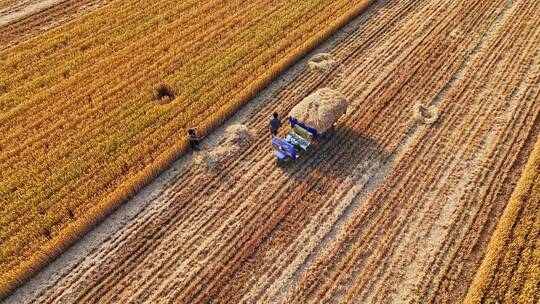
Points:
x=82 y=129
x=397 y=207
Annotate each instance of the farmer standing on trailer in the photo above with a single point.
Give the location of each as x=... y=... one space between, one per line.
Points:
x=274 y=124
x=193 y=139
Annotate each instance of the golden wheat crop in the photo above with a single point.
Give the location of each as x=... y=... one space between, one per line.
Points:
x=81 y=128
x=390 y=209
x=510 y=271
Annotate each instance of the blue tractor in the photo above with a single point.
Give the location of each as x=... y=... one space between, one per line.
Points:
x=297 y=140
x=313 y=120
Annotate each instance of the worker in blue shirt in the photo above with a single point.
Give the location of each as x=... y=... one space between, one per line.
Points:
x=274 y=124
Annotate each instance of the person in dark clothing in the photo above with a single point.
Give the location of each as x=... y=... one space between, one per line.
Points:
x=274 y=124
x=193 y=139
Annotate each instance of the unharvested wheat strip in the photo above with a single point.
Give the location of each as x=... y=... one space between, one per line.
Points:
x=516 y=283
x=480 y=217
x=509 y=240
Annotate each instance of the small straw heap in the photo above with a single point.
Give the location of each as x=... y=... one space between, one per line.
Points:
x=322 y=62
x=425 y=114
x=235 y=137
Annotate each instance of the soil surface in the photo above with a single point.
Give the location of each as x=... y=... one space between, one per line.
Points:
x=391 y=209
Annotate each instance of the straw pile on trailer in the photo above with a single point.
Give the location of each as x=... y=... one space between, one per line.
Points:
x=321 y=109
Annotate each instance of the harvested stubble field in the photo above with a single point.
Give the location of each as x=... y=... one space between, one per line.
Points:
x=81 y=129
x=396 y=207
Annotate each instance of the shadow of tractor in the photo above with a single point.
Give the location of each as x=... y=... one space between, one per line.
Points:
x=346 y=155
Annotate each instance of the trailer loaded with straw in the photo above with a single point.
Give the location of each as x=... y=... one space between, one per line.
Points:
x=312 y=120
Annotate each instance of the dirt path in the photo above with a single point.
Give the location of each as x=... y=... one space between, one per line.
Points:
x=23 y=9
x=391 y=209
x=22 y=19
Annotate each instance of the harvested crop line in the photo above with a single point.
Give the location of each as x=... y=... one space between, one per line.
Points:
x=396 y=207
x=73 y=152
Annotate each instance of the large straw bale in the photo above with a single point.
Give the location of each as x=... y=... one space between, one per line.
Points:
x=321 y=109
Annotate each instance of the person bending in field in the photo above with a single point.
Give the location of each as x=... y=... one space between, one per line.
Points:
x=193 y=139
x=274 y=124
